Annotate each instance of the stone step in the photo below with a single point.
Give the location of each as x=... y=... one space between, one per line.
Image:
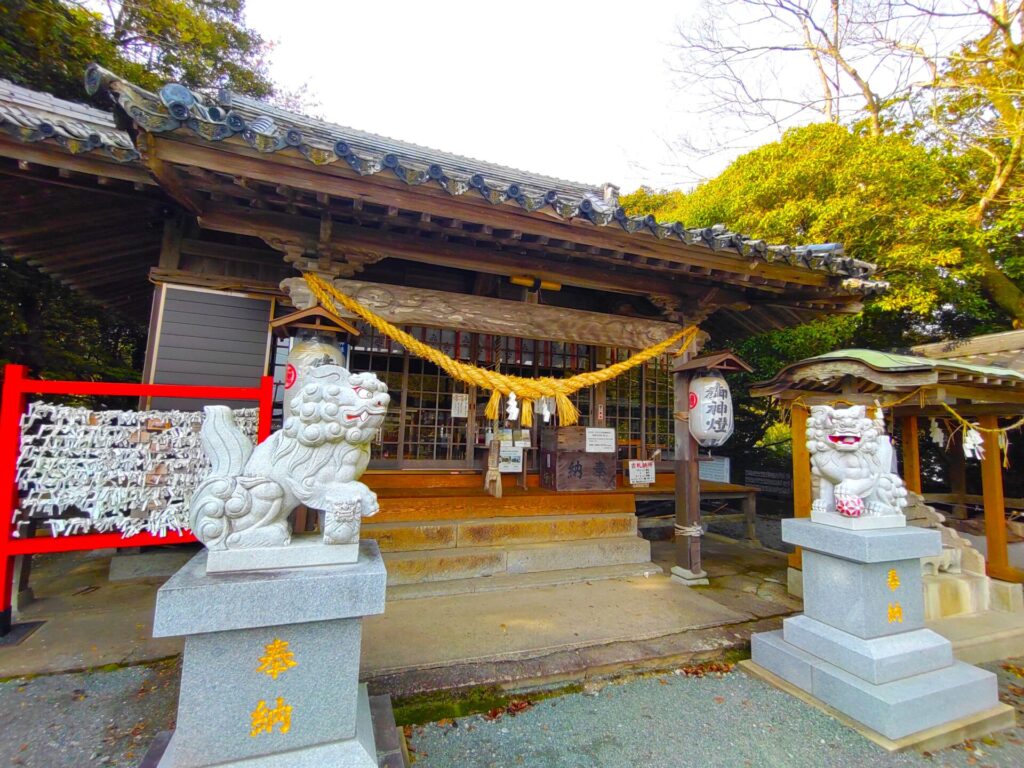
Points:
x=472 y=562
x=445 y=534
x=955 y=594
x=399 y=506
x=386 y=479
x=509 y=581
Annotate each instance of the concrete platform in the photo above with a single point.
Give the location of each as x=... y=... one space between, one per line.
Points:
x=510 y=625
x=982 y=637
x=929 y=740
x=516 y=636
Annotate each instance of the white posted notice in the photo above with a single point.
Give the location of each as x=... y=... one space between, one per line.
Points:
x=510 y=458
x=460 y=405
x=641 y=472
x=600 y=440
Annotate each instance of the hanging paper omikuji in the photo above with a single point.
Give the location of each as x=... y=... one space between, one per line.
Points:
x=711 y=419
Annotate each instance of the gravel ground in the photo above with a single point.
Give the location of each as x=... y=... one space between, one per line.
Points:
x=109 y=719
x=88 y=719
x=674 y=720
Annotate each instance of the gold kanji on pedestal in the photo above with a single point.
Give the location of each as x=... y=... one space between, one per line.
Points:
x=264 y=718
x=276 y=659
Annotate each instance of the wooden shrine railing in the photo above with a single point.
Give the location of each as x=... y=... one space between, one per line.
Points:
x=16 y=389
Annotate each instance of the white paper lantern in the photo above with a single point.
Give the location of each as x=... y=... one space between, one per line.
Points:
x=711 y=421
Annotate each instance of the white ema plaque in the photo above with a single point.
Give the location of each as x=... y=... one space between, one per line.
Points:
x=510 y=458
x=460 y=405
x=600 y=440
x=641 y=472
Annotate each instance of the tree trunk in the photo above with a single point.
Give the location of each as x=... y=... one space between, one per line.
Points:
x=1003 y=292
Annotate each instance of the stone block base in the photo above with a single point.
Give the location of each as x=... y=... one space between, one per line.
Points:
x=974 y=726
x=879 y=660
x=303 y=552
x=270 y=673
x=1006 y=596
x=357 y=752
x=866 y=523
x=689 y=578
x=894 y=709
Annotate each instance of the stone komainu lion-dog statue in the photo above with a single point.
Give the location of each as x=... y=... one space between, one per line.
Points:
x=315 y=459
x=851 y=458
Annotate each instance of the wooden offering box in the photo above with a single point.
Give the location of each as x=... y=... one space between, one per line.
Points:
x=567 y=465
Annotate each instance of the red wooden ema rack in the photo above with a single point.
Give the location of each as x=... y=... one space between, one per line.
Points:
x=16 y=389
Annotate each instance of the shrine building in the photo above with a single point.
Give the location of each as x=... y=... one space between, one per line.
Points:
x=193 y=212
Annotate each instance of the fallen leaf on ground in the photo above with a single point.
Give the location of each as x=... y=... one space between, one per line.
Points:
x=707 y=668
x=518 y=705
x=1014 y=669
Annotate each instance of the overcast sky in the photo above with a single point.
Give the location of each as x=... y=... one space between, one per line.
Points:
x=579 y=90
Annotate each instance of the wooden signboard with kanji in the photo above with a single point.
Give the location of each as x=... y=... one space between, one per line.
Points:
x=567 y=465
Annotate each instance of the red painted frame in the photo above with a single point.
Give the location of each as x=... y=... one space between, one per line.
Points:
x=14 y=401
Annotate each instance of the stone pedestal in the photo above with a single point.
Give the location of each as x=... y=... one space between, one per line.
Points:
x=270 y=675
x=689 y=578
x=861 y=647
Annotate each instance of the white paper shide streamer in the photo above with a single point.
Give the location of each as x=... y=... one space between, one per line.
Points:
x=84 y=471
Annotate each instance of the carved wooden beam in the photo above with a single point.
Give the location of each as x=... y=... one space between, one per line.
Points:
x=167 y=177
x=418 y=306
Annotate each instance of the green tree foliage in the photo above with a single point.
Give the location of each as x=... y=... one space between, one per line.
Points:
x=890 y=201
x=946 y=74
x=47 y=44
x=59 y=334
x=977 y=117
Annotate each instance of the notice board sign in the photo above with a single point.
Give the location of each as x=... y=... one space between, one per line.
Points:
x=714 y=468
x=510 y=458
x=641 y=473
x=600 y=440
x=460 y=405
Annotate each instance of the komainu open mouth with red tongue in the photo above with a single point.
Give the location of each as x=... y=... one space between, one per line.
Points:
x=844 y=439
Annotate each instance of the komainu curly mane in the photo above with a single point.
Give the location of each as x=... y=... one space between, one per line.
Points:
x=315 y=459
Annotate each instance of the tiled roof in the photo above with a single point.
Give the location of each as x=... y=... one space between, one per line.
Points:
x=31 y=116
x=269 y=129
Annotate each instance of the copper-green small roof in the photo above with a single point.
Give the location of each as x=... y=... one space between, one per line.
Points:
x=809 y=374
x=891 y=361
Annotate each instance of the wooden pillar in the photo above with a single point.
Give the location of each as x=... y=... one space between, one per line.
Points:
x=801 y=472
x=958 y=475
x=911 y=454
x=688 y=567
x=997 y=560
